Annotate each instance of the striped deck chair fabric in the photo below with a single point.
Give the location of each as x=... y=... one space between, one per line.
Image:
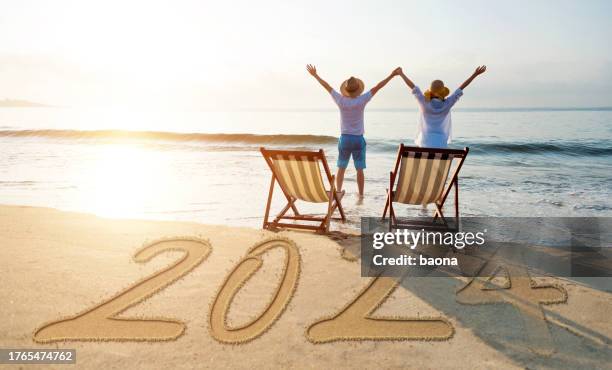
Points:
x=422 y=177
x=301 y=177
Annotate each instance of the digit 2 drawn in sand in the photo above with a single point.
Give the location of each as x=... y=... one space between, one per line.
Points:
x=355 y=321
x=100 y=323
x=243 y=271
x=520 y=291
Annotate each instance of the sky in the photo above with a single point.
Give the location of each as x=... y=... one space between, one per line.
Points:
x=235 y=55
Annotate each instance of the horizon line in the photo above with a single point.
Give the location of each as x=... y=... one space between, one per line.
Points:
x=252 y=109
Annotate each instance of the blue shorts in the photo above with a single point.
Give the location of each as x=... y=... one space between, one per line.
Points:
x=352 y=145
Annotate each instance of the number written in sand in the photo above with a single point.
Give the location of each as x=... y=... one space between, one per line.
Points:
x=520 y=291
x=355 y=321
x=100 y=323
x=243 y=271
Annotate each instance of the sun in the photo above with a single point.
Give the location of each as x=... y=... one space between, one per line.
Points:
x=125 y=181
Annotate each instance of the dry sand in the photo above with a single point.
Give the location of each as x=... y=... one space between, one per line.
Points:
x=59 y=264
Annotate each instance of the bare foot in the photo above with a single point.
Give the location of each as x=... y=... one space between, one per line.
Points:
x=360 y=200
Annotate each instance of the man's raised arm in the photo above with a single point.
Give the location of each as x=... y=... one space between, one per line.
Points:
x=382 y=83
x=313 y=72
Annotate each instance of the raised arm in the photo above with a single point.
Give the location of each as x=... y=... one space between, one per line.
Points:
x=313 y=72
x=406 y=79
x=479 y=70
x=382 y=83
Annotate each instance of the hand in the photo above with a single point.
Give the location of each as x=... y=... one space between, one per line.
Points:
x=311 y=69
x=480 y=70
x=397 y=71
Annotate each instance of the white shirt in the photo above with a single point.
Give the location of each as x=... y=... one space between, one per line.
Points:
x=434 y=121
x=351 y=112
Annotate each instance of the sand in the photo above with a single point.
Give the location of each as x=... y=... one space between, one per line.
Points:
x=152 y=294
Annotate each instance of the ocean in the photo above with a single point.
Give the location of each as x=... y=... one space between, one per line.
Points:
x=206 y=166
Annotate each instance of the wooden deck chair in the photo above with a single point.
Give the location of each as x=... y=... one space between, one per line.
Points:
x=298 y=174
x=423 y=179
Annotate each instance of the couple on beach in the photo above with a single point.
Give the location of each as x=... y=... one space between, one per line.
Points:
x=433 y=127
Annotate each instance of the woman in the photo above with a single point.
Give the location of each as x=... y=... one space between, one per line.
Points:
x=434 y=125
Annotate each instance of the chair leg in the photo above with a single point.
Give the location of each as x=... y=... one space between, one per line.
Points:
x=290 y=205
x=339 y=205
x=330 y=207
x=290 y=202
x=389 y=203
x=441 y=214
x=386 y=207
x=457 y=201
x=389 y=193
x=392 y=218
x=269 y=203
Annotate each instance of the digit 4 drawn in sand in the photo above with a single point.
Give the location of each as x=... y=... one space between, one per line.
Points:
x=520 y=291
x=101 y=322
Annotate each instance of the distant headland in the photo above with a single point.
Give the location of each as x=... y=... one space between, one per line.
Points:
x=14 y=103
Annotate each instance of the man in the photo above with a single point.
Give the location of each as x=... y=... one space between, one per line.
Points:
x=351 y=103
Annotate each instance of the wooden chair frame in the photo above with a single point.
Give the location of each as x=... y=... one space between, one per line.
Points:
x=334 y=196
x=461 y=154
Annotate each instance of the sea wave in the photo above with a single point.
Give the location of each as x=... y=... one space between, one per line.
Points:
x=557 y=147
x=246 y=142
x=115 y=135
x=553 y=147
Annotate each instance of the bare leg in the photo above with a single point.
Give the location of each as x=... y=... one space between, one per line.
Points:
x=360 y=182
x=340 y=178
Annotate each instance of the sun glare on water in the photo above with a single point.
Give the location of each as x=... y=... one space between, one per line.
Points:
x=125 y=181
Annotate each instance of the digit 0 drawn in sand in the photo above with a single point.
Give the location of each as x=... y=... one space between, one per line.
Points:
x=243 y=271
x=356 y=322
x=520 y=291
x=100 y=323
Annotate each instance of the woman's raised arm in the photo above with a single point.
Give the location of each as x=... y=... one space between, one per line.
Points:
x=406 y=79
x=479 y=70
x=382 y=83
